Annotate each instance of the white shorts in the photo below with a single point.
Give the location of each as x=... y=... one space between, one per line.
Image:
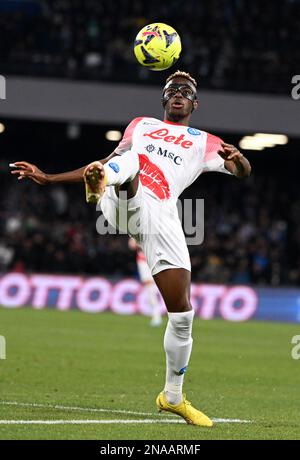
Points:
x=154 y=224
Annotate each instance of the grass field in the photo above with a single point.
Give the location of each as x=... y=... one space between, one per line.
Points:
x=61 y=365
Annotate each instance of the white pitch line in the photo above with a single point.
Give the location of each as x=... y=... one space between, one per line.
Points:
x=82 y=409
x=230 y=420
x=104 y=422
x=86 y=422
x=113 y=411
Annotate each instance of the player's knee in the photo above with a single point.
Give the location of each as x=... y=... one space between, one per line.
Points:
x=182 y=319
x=179 y=306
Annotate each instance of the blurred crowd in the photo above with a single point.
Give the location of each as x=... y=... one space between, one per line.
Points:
x=252 y=232
x=227 y=44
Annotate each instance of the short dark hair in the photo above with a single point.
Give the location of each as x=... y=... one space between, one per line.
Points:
x=181 y=74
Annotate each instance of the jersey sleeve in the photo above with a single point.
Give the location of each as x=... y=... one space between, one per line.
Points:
x=126 y=142
x=212 y=160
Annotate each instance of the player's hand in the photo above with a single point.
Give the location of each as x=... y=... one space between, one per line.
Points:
x=24 y=169
x=230 y=152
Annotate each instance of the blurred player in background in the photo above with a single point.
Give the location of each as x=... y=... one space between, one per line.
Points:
x=153 y=164
x=147 y=281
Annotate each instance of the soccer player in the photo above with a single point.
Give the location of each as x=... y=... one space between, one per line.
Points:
x=153 y=163
x=147 y=281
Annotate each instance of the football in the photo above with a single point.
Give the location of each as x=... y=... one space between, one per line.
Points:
x=157 y=46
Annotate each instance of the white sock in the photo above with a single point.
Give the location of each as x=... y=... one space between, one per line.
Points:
x=122 y=168
x=178 y=346
x=153 y=302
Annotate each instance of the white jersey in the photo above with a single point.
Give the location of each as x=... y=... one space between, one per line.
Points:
x=171 y=155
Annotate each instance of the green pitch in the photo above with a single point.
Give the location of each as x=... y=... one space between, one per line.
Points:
x=62 y=364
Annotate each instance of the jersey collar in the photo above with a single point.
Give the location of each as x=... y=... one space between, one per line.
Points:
x=172 y=123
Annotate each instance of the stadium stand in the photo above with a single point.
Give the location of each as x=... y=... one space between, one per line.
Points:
x=247 y=240
x=227 y=44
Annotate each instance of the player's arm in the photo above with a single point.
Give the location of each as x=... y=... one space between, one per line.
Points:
x=235 y=162
x=24 y=169
x=224 y=158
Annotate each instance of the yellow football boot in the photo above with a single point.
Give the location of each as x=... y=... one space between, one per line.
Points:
x=95 y=181
x=185 y=409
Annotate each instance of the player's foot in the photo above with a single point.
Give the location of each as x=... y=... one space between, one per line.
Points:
x=95 y=182
x=155 y=322
x=185 y=409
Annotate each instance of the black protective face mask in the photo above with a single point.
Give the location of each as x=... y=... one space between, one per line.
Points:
x=186 y=91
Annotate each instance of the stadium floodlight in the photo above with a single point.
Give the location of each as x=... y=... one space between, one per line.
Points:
x=113 y=135
x=277 y=139
x=73 y=131
x=260 y=141
x=249 y=145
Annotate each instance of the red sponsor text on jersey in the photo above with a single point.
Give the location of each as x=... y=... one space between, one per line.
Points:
x=163 y=134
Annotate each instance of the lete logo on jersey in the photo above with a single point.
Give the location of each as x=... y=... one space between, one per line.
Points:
x=163 y=134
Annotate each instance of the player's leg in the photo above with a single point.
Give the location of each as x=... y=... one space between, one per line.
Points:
x=174 y=285
x=121 y=172
x=151 y=290
x=130 y=187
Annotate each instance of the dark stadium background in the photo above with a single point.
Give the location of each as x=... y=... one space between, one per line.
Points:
x=252 y=226
x=52 y=229
x=76 y=344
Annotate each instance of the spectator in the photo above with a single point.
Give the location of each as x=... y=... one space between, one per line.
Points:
x=228 y=44
x=247 y=240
